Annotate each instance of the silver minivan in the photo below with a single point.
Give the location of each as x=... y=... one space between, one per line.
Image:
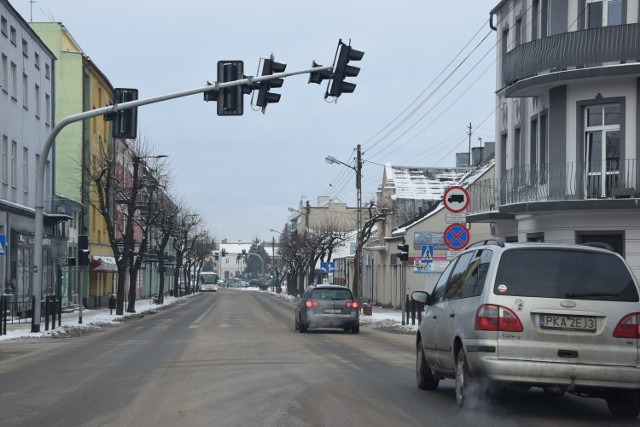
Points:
x=558 y=316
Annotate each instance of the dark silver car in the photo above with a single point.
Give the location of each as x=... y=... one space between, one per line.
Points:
x=564 y=318
x=327 y=306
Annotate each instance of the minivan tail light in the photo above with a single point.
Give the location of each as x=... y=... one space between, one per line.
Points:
x=490 y=317
x=351 y=304
x=628 y=327
x=311 y=303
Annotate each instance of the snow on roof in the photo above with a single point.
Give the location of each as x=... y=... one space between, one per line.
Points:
x=422 y=183
x=467 y=179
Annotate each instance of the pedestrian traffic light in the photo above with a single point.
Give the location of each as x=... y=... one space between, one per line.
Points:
x=342 y=70
x=404 y=252
x=230 y=101
x=264 y=96
x=125 y=122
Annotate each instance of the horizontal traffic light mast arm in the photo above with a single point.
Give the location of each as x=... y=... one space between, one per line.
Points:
x=46 y=149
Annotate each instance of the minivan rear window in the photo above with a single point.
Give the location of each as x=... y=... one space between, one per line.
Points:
x=561 y=273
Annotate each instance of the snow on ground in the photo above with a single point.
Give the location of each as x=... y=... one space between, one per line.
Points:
x=95 y=319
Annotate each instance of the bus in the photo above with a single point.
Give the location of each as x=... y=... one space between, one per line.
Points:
x=208 y=281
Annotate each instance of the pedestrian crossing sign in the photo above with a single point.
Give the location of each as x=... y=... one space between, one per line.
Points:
x=2 y=244
x=427 y=253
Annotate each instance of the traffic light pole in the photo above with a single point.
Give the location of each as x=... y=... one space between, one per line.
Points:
x=111 y=109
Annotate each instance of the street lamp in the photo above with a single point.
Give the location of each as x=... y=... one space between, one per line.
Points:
x=357 y=281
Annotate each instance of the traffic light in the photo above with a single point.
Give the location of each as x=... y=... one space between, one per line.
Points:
x=125 y=123
x=318 y=76
x=342 y=70
x=264 y=96
x=223 y=252
x=216 y=256
x=404 y=252
x=83 y=250
x=230 y=101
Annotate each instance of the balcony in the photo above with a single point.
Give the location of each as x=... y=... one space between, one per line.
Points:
x=585 y=53
x=610 y=184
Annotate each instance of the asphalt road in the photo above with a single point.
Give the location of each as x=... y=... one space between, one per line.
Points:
x=232 y=358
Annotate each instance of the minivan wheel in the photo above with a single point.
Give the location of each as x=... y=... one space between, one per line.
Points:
x=463 y=378
x=624 y=405
x=424 y=376
x=355 y=329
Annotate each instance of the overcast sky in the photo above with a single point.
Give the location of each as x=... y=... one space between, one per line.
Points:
x=428 y=71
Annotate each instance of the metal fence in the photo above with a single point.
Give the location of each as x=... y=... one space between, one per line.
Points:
x=586 y=48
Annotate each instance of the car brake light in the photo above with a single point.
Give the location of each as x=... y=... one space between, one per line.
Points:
x=311 y=303
x=628 y=327
x=351 y=304
x=491 y=317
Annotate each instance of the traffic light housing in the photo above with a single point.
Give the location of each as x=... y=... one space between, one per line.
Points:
x=404 y=252
x=318 y=76
x=125 y=123
x=342 y=70
x=83 y=250
x=266 y=97
x=230 y=101
x=223 y=252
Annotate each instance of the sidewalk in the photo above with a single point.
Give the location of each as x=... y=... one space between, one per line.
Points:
x=91 y=318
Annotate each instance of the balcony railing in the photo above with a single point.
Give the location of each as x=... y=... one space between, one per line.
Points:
x=556 y=182
x=586 y=48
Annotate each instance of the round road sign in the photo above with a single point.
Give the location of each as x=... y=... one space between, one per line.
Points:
x=455 y=199
x=456 y=236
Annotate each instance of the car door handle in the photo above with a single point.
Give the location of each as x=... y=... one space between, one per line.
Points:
x=435 y=316
x=452 y=315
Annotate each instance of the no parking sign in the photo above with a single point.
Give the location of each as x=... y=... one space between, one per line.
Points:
x=456 y=236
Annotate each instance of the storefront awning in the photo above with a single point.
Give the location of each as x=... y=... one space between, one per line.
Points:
x=103 y=264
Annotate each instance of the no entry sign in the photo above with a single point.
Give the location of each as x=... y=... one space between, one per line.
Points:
x=456 y=236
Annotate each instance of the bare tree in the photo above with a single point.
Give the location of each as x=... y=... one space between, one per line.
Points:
x=124 y=197
x=183 y=240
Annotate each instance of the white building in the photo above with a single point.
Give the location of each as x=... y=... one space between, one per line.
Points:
x=567 y=129
x=26 y=94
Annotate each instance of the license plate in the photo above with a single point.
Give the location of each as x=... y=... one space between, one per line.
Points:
x=568 y=323
x=333 y=310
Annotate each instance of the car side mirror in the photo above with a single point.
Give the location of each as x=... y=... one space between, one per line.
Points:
x=421 y=297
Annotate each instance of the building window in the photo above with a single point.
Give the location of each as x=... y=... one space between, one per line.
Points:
x=25 y=169
x=47 y=108
x=3 y=26
x=542 y=143
x=4 y=78
x=14 y=164
x=12 y=35
x=602 y=149
x=25 y=91
x=603 y=12
x=25 y=48
x=5 y=159
x=14 y=81
x=36 y=91
x=615 y=239
x=47 y=71
x=535 y=11
x=36 y=59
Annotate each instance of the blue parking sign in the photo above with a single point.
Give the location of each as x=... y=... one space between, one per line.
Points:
x=2 y=244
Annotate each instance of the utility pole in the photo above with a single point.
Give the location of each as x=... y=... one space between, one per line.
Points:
x=469 y=153
x=357 y=286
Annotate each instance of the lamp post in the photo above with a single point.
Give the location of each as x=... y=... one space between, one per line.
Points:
x=357 y=280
